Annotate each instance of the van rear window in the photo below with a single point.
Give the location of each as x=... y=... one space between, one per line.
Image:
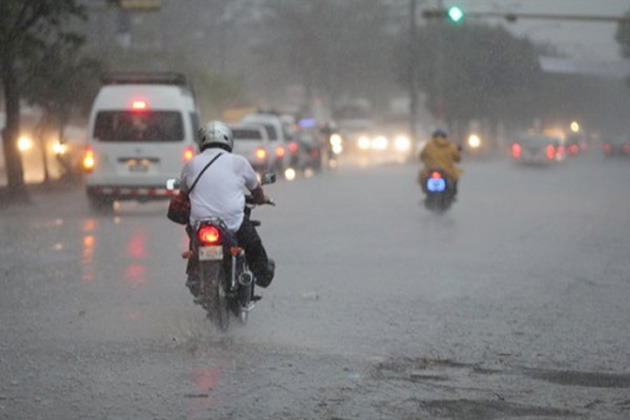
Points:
x=134 y=126
x=246 y=134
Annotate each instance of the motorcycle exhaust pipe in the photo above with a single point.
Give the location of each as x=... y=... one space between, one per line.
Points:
x=246 y=279
x=246 y=291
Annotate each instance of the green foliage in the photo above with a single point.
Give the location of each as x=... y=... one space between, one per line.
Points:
x=484 y=72
x=337 y=47
x=62 y=80
x=27 y=28
x=623 y=37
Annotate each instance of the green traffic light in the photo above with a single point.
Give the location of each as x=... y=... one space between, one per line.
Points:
x=455 y=14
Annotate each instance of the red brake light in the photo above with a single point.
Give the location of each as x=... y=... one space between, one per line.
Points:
x=261 y=153
x=280 y=152
x=209 y=235
x=293 y=147
x=551 y=152
x=189 y=153
x=626 y=148
x=89 y=161
x=607 y=148
x=139 y=105
x=574 y=149
x=516 y=150
x=436 y=174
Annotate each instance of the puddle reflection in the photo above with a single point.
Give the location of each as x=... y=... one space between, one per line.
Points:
x=87 y=258
x=205 y=378
x=136 y=276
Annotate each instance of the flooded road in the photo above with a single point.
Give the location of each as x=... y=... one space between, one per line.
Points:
x=513 y=304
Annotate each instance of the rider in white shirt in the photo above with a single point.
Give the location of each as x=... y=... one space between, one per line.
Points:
x=220 y=192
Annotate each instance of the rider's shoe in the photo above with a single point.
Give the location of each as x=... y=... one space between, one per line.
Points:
x=265 y=281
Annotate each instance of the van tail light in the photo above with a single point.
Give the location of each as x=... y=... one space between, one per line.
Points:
x=516 y=150
x=280 y=152
x=89 y=160
x=189 y=153
x=551 y=152
x=209 y=235
x=293 y=147
x=260 y=153
x=139 y=105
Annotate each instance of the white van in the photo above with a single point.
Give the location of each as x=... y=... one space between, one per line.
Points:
x=279 y=137
x=251 y=141
x=142 y=129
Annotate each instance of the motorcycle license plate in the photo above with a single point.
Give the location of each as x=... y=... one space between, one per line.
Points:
x=436 y=184
x=210 y=253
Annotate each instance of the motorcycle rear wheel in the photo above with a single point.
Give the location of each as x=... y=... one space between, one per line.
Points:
x=215 y=300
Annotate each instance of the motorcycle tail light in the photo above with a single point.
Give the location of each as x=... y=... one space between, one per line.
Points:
x=516 y=150
x=209 y=235
x=293 y=147
x=551 y=152
x=280 y=152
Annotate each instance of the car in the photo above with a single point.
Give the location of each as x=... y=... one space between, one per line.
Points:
x=537 y=149
x=279 y=138
x=251 y=141
x=617 y=146
x=141 y=130
x=575 y=144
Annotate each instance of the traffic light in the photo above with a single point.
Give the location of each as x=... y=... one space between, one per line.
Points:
x=455 y=14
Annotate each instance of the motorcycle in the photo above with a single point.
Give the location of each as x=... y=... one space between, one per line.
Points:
x=439 y=190
x=226 y=284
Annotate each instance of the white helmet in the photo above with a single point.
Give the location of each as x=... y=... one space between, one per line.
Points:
x=215 y=133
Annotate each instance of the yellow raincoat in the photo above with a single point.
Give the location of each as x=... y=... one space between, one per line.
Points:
x=440 y=153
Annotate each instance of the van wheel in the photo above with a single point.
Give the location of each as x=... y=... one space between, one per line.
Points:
x=100 y=204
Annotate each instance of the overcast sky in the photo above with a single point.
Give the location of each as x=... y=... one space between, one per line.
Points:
x=583 y=40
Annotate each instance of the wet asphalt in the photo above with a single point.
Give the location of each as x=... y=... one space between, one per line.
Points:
x=514 y=304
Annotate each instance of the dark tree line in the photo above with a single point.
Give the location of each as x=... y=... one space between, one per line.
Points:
x=36 y=63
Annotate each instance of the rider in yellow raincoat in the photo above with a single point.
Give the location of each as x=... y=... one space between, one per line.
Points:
x=440 y=153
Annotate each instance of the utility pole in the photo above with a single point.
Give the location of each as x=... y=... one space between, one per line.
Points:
x=412 y=61
x=439 y=71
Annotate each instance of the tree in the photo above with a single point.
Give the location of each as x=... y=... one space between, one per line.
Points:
x=26 y=27
x=485 y=70
x=59 y=81
x=337 y=47
x=623 y=38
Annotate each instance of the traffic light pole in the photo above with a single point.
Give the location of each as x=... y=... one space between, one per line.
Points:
x=442 y=13
x=413 y=88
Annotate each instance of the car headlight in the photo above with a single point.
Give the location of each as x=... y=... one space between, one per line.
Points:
x=402 y=143
x=474 y=141
x=60 y=148
x=335 y=140
x=24 y=143
x=364 y=143
x=379 y=143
